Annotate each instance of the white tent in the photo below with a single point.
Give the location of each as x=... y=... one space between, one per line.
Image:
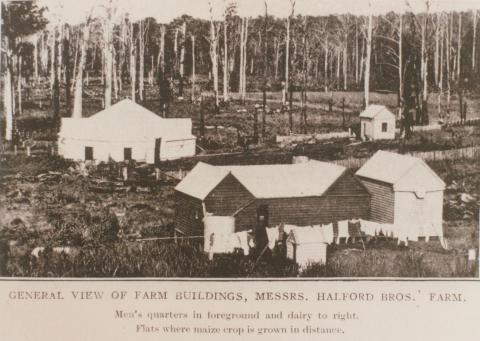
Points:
x=377 y=123
x=126 y=130
x=406 y=192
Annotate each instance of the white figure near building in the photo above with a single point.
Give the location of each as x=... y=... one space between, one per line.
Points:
x=126 y=131
x=377 y=123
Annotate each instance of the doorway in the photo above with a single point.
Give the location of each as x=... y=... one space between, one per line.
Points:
x=127 y=154
x=88 y=153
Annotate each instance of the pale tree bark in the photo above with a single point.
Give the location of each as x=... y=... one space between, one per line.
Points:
x=265 y=71
x=243 y=59
x=459 y=49
x=287 y=54
x=356 y=52
x=52 y=56
x=193 y=68
x=441 y=62
x=108 y=57
x=214 y=32
x=225 y=59
x=326 y=64
x=78 y=94
x=141 y=54
x=368 y=59
x=345 y=66
x=448 y=38
x=133 y=64
x=474 y=43
x=436 y=59
x=400 y=62
x=35 y=58
x=6 y=64
x=424 y=56
x=182 y=57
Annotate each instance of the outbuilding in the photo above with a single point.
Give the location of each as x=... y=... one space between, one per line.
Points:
x=377 y=123
x=126 y=131
x=405 y=192
x=261 y=196
x=307 y=246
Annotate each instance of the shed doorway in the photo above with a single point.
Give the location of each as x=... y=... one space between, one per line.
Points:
x=127 y=154
x=88 y=153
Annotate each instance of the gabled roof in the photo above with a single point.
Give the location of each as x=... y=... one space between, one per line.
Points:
x=375 y=110
x=126 y=109
x=404 y=172
x=312 y=178
x=126 y=121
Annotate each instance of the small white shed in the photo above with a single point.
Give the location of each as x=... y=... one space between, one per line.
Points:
x=306 y=245
x=404 y=191
x=377 y=123
x=126 y=131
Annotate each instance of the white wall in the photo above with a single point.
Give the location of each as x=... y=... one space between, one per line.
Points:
x=309 y=253
x=420 y=217
x=141 y=151
x=175 y=149
x=366 y=128
x=377 y=128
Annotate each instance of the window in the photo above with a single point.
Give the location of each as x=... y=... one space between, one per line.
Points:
x=127 y=154
x=88 y=153
x=384 y=127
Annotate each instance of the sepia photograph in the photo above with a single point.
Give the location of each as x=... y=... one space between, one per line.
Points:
x=240 y=139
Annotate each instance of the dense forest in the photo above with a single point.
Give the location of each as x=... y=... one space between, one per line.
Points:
x=415 y=55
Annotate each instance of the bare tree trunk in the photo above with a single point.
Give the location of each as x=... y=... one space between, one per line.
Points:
x=440 y=78
x=225 y=60
x=52 y=56
x=7 y=90
x=345 y=65
x=243 y=59
x=287 y=63
x=108 y=59
x=368 y=60
x=356 y=52
x=459 y=50
x=214 y=31
x=77 y=98
x=193 y=68
x=437 y=49
x=400 y=63
x=448 y=38
x=265 y=72
x=182 y=57
x=141 y=54
x=240 y=72
x=424 y=61
x=276 y=46
x=326 y=65
x=133 y=65
x=474 y=43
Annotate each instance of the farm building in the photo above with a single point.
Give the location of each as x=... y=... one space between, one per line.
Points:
x=259 y=196
x=306 y=246
x=126 y=131
x=377 y=123
x=405 y=192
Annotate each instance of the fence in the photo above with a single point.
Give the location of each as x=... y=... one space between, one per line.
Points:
x=311 y=137
x=437 y=155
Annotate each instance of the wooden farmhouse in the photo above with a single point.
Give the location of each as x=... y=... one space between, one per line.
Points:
x=377 y=123
x=126 y=131
x=267 y=195
x=307 y=246
x=405 y=192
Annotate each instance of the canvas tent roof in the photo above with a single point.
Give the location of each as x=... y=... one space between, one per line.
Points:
x=126 y=121
x=404 y=172
x=375 y=110
x=312 y=178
